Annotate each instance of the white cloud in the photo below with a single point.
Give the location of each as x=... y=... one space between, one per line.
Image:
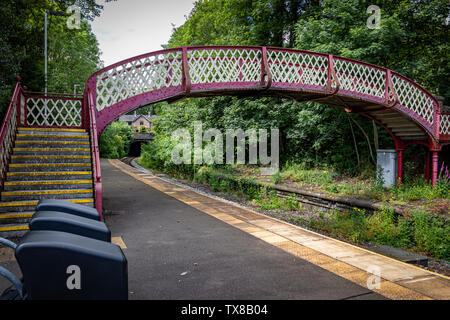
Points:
x=128 y=28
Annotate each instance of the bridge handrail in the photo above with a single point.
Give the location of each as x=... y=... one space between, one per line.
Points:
x=63 y=110
x=9 y=129
x=445 y=123
x=411 y=92
x=95 y=154
x=223 y=68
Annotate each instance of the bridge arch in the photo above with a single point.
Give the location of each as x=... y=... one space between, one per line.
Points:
x=407 y=111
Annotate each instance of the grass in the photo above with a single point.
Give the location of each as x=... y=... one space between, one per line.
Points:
x=297 y=173
x=332 y=182
x=420 y=232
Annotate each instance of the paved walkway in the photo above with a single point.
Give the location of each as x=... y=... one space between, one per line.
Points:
x=175 y=251
x=265 y=257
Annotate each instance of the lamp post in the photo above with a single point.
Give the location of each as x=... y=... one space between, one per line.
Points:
x=45 y=54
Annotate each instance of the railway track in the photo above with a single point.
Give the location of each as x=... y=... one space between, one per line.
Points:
x=315 y=199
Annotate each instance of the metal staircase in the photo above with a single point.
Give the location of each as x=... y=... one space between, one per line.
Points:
x=47 y=151
x=46 y=163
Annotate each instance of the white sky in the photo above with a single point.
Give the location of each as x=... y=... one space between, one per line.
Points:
x=127 y=28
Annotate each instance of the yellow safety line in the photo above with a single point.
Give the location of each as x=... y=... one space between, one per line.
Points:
x=26 y=165
x=51 y=157
x=25 y=183
x=51 y=142
x=5 y=229
x=51 y=149
x=52 y=129
x=34 y=203
x=32 y=193
x=15 y=216
x=55 y=173
x=297 y=249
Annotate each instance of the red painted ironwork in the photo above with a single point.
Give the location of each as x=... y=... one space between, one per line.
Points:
x=434 y=173
x=178 y=73
x=265 y=70
x=219 y=70
x=391 y=95
x=53 y=110
x=400 y=165
x=8 y=129
x=95 y=155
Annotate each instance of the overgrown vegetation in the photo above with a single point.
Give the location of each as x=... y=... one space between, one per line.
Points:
x=115 y=141
x=419 y=232
x=73 y=54
x=321 y=147
x=366 y=185
x=413 y=40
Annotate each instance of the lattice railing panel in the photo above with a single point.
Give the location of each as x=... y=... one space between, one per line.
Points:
x=445 y=124
x=8 y=140
x=298 y=68
x=62 y=112
x=414 y=99
x=209 y=68
x=138 y=76
x=360 y=78
x=224 y=65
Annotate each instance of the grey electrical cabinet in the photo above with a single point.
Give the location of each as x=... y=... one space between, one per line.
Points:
x=387 y=167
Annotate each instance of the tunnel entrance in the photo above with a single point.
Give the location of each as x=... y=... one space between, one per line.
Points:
x=137 y=142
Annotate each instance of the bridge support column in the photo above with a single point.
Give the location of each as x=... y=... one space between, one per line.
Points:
x=400 y=166
x=435 y=157
x=427 y=166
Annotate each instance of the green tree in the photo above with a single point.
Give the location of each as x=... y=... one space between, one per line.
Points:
x=22 y=45
x=412 y=39
x=115 y=141
x=73 y=56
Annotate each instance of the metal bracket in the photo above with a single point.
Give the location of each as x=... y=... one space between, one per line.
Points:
x=391 y=95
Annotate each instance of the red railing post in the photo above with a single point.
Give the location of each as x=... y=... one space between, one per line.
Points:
x=8 y=131
x=437 y=118
x=391 y=98
x=332 y=76
x=90 y=98
x=400 y=165
x=186 y=78
x=427 y=166
x=265 y=70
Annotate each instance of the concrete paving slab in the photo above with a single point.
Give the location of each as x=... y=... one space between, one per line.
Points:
x=177 y=252
x=330 y=254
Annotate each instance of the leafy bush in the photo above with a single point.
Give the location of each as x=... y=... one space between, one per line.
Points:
x=442 y=187
x=115 y=141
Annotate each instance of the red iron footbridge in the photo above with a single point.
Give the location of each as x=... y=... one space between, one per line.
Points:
x=408 y=112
